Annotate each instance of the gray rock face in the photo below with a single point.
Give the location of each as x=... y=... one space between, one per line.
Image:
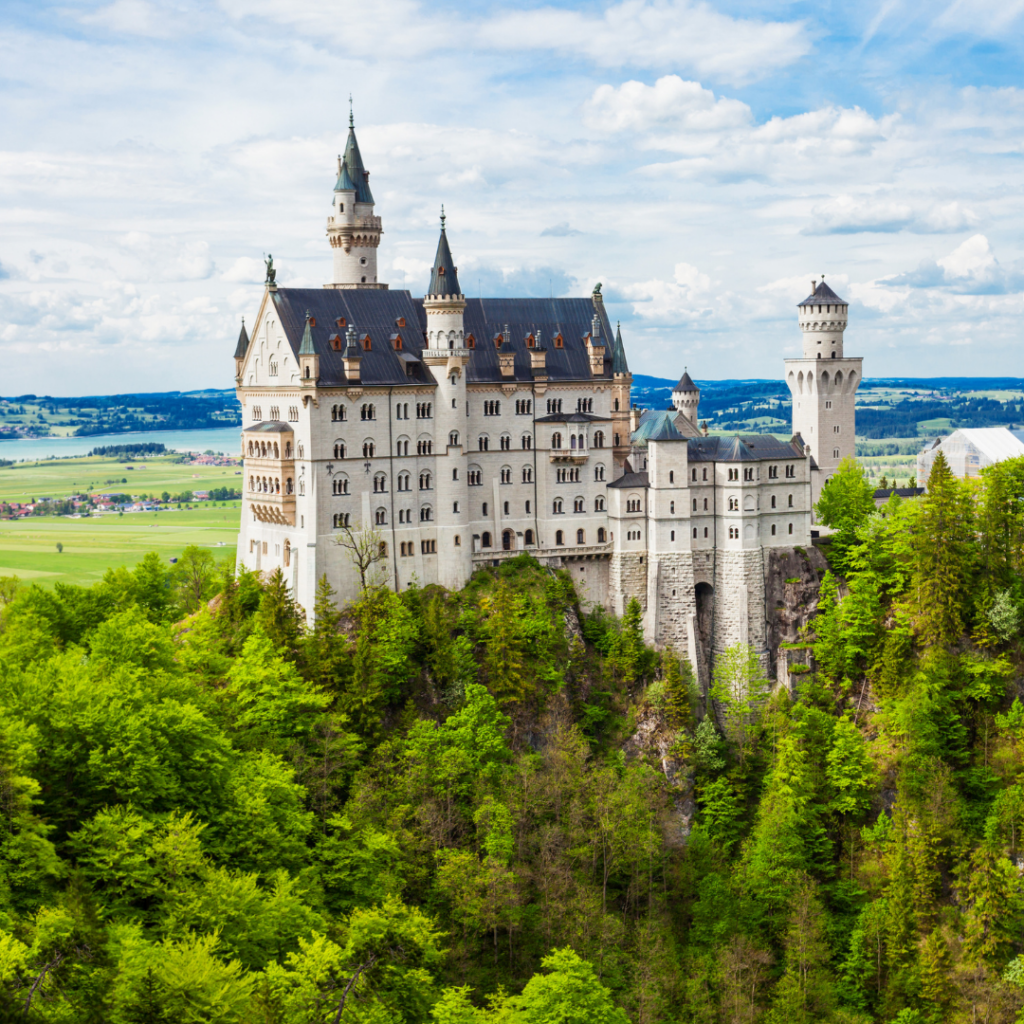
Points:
x=792 y=585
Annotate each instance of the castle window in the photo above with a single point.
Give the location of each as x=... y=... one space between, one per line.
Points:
x=835 y=429
x=453 y=439
x=599 y=472
x=559 y=538
x=773 y=472
x=835 y=453
x=492 y=408
x=403 y=481
x=527 y=474
x=506 y=474
x=273 y=368
x=341 y=520
x=505 y=442
x=426 y=514
x=483 y=443
x=339 y=449
x=705 y=531
x=485 y=540
x=556 y=506
x=424 y=481
x=672 y=535
x=734 y=504
x=527 y=442
x=367 y=412
x=470 y=341
x=578 y=505
x=365 y=339
x=705 y=473
x=599 y=504
x=368 y=449
x=790 y=527
x=559 y=343
x=528 y=537
x=524 y=407
x=381 y=517
x=531 y=341
x=581 y=537
x=397 y=341
x=528 y=507
x=455 y=507
x=428 y=547
x=790 y=471
x=600 y=535
x=791 y=501
x=424 y=410
x=340 y=485
x=458 y=541
x=475 y=478
x=616 y=440
x=380 y=483
x=773 y=529
x=773 y=502
x=484 y=509
x=340 y=322
x=424 y=447
x=693 y=474
x=504 y=509
x=599 y=439
x=671 y=477
x=556 y=440
x=695 y=532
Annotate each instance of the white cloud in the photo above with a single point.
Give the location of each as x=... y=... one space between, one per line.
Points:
x=138 y=17
x=846 y=215
x=670 y=102
x=246 y=270
x=684 y=297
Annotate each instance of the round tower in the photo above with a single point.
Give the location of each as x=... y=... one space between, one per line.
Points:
x=352 y=229
x=444 y=302
x=686 y=397
x=822 y=318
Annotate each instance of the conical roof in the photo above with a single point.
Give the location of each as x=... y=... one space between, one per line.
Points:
x=686 y=383
x=444 y=278
x=243 y=343
x=619 y=364
x=666 y=431
x=352 y=162
x=344 y=182
x=306 y=348
x=822 y=293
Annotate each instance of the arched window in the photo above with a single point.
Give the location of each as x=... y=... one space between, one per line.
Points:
x=599 y=504
x=790 y=505
x=599 y=439
x=572 y=441
x=339 y=449
x=527 y=442
x=506 y=442
x=556 y=440
x=672 y=535
x=579 y=505
x=599 y=472
x=528 y=537
x=381 y=517
x=773 y=529
x=424 y=481
x=288 y=486
x=506 y=474
x=773 y=501
x=483 y=442
x=581 y=537
x=559 y=538
x=485 y=540
x=453 y=439
x=341 y=519
x=790 y=527
x=368 y=449
x=380 y=483
x=426 y=514
x=556 y=506
x=600 y=535
x=527 y=474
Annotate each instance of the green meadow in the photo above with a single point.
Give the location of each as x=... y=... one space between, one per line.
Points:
x=28 y=547
x=57 y=478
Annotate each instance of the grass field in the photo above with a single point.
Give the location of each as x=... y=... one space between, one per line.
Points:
x=57 y=478
x=28 y=547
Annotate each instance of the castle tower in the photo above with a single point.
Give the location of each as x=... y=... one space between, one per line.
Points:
x=448 y=360
x=824 y=384
x=352 y=229
x=622 y=380
x=686 y=398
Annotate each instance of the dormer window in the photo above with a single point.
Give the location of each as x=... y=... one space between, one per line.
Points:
x=340 y=322
x=396 y=340
x=400 y=322
x=531 y=342
x=312 y=321
x=335 y=340
x=440 y=271
x=498 y=339
x=559 y=343
x=470 y=341
x=365 y=340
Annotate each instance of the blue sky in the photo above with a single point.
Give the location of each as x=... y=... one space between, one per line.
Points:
x=704 y=161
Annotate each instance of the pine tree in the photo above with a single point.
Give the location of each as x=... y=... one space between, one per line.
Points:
x=944 y=557
x=936 y=969
x=678 y=683
x=278 y=614
x=324 y=649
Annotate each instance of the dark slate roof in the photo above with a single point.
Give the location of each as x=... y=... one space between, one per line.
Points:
x=376 y=311
x=632 y=480
x=444 y=279
x=619 y=364
x=270 y=427
x=573 y=417
x=485 y=318
x=243 y=343
x=353 y=162
x=901 y=492
x=752 y=448
x=822 y=294
x=369 y=311
x=686 y=383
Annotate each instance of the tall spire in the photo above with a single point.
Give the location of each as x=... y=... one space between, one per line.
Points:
x=619 y=364
x=444 y=278
x=243 y=342
x=353 y=163
x=306 y=348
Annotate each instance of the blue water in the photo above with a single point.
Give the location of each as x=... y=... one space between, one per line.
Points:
x=221 y=439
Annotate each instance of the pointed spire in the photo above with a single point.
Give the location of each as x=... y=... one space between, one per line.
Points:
x=686 y=383
x=444 y=278
x=353 y=162
x=619 y=364
x=306 y=348
x=351 y=116
x=243 y=342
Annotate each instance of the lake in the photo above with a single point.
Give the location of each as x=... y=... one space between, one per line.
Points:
x=220 y=439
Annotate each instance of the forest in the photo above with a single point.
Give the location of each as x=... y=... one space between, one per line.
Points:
x=499 y=807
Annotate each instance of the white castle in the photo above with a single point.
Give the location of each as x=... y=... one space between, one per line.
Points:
x=466 y=431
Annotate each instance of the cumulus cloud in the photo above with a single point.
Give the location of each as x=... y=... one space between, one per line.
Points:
x=685 y=297
x=140 y=18
x=670 y=102
x=560 y=231
x=970 y=269
x=848 y=215
x=246 y=270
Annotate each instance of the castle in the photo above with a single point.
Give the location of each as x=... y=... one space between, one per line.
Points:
x=464 y=431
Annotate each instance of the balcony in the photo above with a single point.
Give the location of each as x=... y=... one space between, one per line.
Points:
x=270 y=489
x=445 y=353
x=569 y=456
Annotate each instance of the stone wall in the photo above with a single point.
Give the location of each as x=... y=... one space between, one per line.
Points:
x=627 y=577
x=672 y=602
x=739 y=600
x=792 y=584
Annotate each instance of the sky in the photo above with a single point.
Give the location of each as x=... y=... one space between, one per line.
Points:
x=704 y=161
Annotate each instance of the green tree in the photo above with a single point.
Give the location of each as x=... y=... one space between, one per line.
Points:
x=278 y=616
x=739 y=688
x=325 y=653
x=194 y=575
x=569 y=993
x=846 y=502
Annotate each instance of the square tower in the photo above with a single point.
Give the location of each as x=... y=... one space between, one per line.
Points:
x=824 y=384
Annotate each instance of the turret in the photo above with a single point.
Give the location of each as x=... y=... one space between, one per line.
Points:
x=686 y=397
x=621 y=382
x=444 y=302
x=240 y=350
x=309 y=361
x=352 y=229
x=822 y=318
